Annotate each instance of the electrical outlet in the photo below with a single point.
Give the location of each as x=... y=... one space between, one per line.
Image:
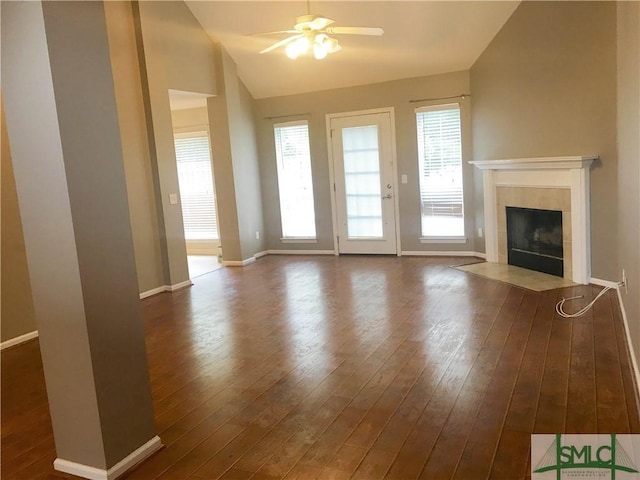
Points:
x=624 y=282
x=480 y=232
x=257 y=235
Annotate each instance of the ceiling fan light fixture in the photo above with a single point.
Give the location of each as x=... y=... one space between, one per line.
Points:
x=333 y=45
x=320 y=50
x=292 y=51
x=297 y=48
x=324 y=45
x=302 y=44
x=310 y=33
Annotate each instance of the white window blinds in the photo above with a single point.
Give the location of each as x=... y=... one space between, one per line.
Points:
x=295 y=183
x=440 y=163
x=195 y=178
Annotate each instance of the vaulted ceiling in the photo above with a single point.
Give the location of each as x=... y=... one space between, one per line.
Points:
x=421 y=38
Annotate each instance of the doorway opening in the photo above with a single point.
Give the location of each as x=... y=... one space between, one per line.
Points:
x=196 y=181
x=363 y=174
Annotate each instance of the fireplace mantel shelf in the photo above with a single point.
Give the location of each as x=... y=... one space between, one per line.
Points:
x=542 y=163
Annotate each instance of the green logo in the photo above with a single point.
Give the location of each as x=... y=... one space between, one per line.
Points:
x=604 y=456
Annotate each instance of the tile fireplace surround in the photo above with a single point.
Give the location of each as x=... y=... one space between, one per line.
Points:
x=548 y=183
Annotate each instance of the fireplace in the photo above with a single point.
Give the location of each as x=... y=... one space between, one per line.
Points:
x=534 y=239
x=546 y=183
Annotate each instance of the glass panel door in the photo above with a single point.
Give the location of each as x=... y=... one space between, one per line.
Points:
x=363 y=174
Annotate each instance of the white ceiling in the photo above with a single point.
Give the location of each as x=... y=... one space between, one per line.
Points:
x=421 y=38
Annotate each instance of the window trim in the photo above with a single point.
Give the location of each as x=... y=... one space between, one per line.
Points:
x=444 y=239
x=299 y=240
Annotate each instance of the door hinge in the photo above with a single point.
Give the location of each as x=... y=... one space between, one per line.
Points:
x=331 y=133
x=334 y=187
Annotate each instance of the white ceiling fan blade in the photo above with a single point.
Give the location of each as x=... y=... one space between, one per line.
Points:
x=281 y=43
x=377 y=31
x=320 y=23
x=272 y=33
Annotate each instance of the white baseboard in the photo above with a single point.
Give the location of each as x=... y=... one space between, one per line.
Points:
x=166 y=288
x=12 y=342
x=178 y=286
x=239 y=263
x=232 y=263
x=632 y=354
x=603 y=283
x=433 y=253
x=153 y=291
x=300 y=252
x=117 y=470
x=260 y=254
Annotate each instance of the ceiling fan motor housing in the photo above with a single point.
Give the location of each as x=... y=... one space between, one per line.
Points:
x=312 y=22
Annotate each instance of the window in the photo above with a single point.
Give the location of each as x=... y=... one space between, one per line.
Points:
x=440 y=163
x=196 y=186
x=294 y=180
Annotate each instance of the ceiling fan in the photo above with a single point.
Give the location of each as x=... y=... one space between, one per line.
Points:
x=311 y=33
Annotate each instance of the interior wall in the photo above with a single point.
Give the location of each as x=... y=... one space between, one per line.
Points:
x=135 y=146
x=315 y=106
x=177 y=54
x=235 y=162
x=629 y=161
x=190 y=119
x=17 y=313
x=247 y=168
x=546 y=86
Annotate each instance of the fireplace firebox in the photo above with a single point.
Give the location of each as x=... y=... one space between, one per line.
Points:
x=534 y=239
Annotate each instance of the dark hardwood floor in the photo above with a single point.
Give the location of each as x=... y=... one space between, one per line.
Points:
x=352 y=367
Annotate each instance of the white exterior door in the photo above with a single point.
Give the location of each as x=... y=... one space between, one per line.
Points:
x=364 y=183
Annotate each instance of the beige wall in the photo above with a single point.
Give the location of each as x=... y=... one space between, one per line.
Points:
x=247 y=168
x=235 y=163
x=178 y=55
x=223 y=168
x=16 y=302
x=629 y=161
x=168 y=34
x=135 y=146
x=546 y=86
x=315 y=106
x=190 y=119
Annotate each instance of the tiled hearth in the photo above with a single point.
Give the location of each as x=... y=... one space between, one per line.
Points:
x=550 y=183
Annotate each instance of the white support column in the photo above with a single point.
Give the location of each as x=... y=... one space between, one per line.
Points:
x=580 y=225
x=490 y=216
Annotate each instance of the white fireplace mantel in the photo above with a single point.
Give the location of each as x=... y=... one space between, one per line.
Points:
x=546 y=172
x=543 y=163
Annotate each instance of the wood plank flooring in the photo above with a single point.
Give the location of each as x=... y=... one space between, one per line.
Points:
x=352 y=367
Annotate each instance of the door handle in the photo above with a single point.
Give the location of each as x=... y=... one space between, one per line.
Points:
x=387 y=196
